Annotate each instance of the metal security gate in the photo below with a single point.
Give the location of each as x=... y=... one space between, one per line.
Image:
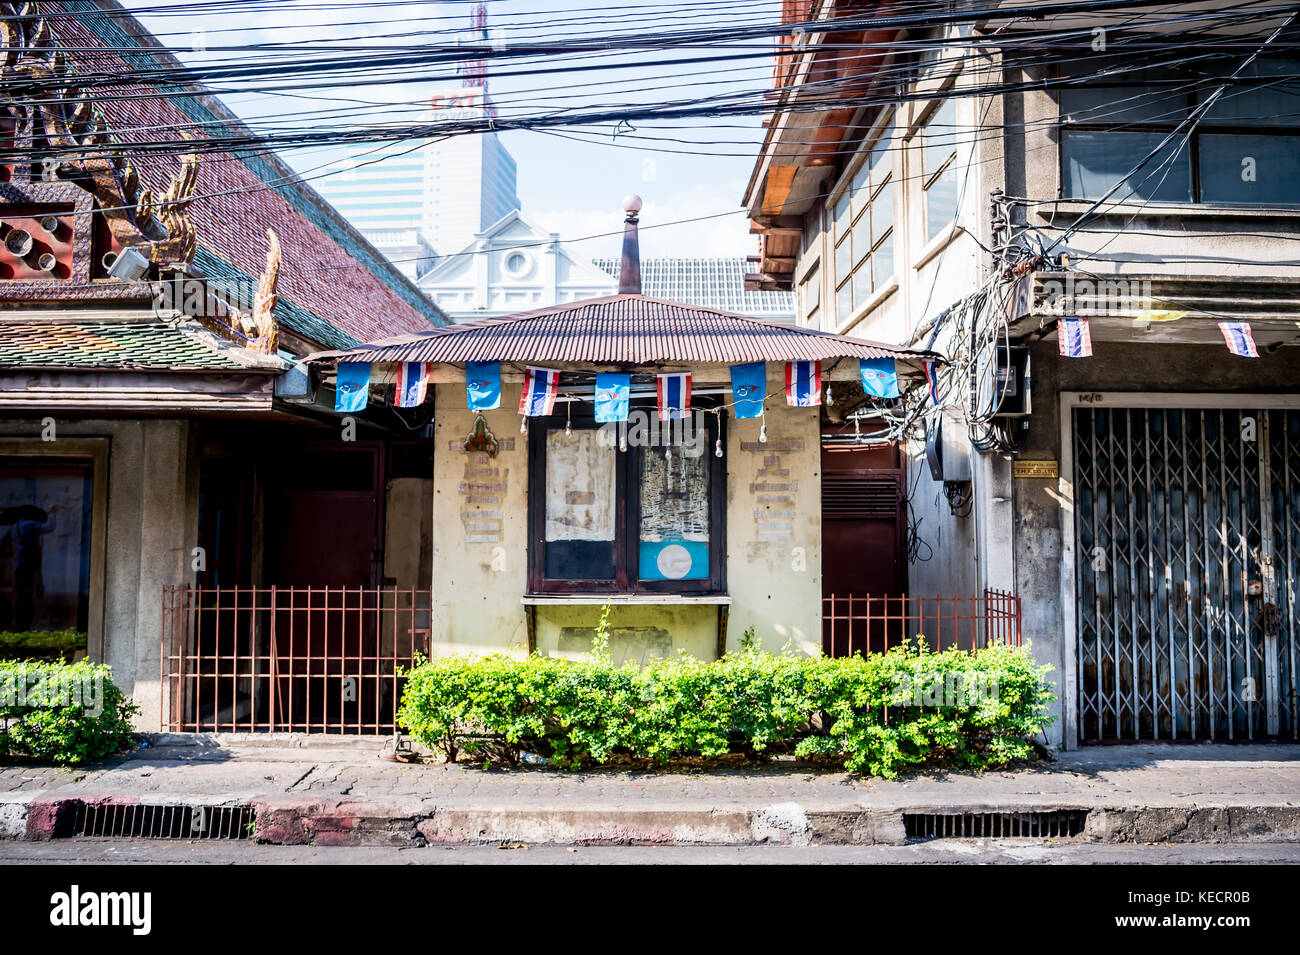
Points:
x=1188 y=546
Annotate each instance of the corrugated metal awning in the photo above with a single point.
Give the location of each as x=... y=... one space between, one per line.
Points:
x=620 y=329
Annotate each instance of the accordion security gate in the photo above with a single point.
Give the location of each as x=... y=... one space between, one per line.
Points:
x=1187 y=527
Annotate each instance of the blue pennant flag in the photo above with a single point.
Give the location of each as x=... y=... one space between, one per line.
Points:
x=352 y=386
x=748 y=386
x=879 y=377
x=613 y=393
x=483 y=385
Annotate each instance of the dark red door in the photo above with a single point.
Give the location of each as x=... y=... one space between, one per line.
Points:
x=324 y=526
x=863 y=564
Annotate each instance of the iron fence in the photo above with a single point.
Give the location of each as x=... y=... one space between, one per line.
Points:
x=872 y=623
x=289 y=659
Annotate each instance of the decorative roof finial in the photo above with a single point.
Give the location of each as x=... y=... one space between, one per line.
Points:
x=629 y=268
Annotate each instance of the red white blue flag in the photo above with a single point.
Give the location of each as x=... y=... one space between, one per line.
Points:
x=803 y=383
x=1239 y=338
x=1073 y=338
x=674 y=393
x=541 y=385
x=932 y=378
x=412 y=383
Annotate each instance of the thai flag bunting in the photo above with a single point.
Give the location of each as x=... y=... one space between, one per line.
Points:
x=1240 y=340
x=674 y=393
x=412 y=383
x=482 y=385
x=351 y=386
x=1073 y=338
x=541 y=385
x=932 y=377
x=613 y=395
x=803 y=383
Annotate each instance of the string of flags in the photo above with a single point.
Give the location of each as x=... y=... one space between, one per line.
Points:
x=612 y=397
x=1074 y=339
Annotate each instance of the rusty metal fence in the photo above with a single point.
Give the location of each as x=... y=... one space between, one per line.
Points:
x=288 y=659
x=872 y=623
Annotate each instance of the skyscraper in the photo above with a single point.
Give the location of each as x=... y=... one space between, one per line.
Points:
x=406 y=197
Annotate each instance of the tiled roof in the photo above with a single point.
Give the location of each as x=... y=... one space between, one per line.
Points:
x=714 y=283
x=138 y=344
x=334 y=286
x=631 y=329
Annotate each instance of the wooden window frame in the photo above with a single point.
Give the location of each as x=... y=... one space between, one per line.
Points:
x=627 y=517
x=95 y=452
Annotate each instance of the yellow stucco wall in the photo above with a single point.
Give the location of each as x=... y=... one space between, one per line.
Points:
x=774 y=557
x=480 y=510
x=480 y=529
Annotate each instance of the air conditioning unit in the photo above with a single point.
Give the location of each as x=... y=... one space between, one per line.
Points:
x=296 y=384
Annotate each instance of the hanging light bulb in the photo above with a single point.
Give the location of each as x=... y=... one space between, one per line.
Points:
x=762 y=431
x=523 y=425
x=568 y=421
x=830 y=398
x=622 y=439
x=717 y=448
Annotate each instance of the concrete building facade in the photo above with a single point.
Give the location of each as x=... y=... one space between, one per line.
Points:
x=1139 y=497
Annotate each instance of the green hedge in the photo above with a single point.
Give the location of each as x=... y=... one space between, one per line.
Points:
x=68 y=713
x=877 y=714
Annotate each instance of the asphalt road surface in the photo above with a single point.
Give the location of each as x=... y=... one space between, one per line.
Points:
x=1001 y=851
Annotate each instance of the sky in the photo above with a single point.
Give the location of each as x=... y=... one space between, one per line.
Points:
x=569 y=181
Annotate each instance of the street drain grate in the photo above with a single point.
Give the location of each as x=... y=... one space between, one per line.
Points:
x=139 y=821
x=995 y=825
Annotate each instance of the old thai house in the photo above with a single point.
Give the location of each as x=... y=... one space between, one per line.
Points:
x=571 y=479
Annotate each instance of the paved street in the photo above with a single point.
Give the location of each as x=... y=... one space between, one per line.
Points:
x=974 y=851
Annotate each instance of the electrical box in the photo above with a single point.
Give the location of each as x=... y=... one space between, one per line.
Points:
x=1002 y=384
x=948 y=449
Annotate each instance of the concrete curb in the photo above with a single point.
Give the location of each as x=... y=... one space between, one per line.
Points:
x=300 y=820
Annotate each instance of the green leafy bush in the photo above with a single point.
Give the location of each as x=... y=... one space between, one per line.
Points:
x=68 y=713
x=877 y=714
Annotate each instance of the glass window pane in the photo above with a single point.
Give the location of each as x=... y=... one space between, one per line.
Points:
x=1123 y=104
x=861 y=188
x=940 y=137
x=941 y=203
x=861 y=284
x=1250 y=169
x=1094 y=161
x=580 y=505
x=882 y=210
x=1274 y=99
x=882 y=261
x=841 y=215
x=861 y=237
x=843 y=303
x=45 y=514
x=674 y=542
x=843 y=260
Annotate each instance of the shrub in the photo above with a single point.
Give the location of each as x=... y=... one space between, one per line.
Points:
x=877 y=714
x=69 y=713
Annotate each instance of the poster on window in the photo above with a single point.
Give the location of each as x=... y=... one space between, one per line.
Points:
x=580 y=487
x=674 y=540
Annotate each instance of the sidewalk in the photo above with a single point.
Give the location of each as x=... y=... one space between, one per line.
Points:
x=337 y=791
